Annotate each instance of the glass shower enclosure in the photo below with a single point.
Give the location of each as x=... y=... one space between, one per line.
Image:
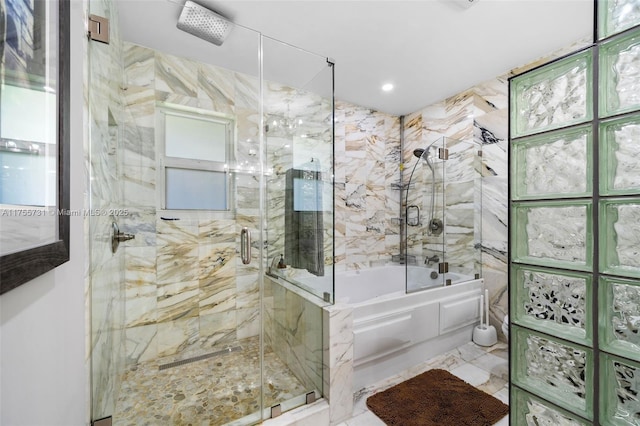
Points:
x=183 y=326
x=442 y=205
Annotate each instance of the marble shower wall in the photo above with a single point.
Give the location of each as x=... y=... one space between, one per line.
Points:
x=105 y=271
x=187 y=289
x=367 y=205
x=293 y=330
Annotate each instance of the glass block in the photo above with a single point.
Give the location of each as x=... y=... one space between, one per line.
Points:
x=620 y=156
x=615 y=16
x=620 y=237
x=620 y=75
x=619 y=389
x=553 y=96
x=559 y=370
x=619 y=314
x=557 y=164
x=532 y=411
x=553 y=234
x=555 y=302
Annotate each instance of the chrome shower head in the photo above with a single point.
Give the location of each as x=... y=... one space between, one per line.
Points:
x=418 y=152
x=204 y=23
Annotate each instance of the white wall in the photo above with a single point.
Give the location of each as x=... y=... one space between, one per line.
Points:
x=43 y=374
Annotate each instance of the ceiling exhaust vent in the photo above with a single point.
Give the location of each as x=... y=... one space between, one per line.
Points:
x=465 y=4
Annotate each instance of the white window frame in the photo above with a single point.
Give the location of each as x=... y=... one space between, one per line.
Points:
x=164 y=161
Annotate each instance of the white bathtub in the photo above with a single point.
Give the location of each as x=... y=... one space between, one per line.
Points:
x=394 y=330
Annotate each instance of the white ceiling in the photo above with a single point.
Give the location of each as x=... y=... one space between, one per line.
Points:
x=429 y=49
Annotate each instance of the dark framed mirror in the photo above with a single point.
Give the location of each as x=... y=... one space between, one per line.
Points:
x=34 y=139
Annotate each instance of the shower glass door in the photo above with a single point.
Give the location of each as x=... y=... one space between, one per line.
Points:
x=462 y=212
x=106 y=269
x=184 y=327
x=175 y=155
x=298 y=107
x=424 y=217
x=298 y=134
x=443 y=214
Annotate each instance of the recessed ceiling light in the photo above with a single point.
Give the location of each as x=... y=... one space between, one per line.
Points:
x=387 y=87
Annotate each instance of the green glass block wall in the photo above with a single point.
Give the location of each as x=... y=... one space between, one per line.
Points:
x=619 y=320
x=555 y=301
x=574 y=243
x=620 y=155
x=531 y=411
x=620 y=382
x=620 y=237
x=620 y=74
x=554 y=96
x=556 y=233
x=561 y=371
x=553 y=165
x=616 y=16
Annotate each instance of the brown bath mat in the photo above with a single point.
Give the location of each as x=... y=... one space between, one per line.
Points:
x=436 y=398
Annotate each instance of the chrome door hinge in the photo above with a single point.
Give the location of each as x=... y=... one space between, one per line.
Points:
x=99 y=28
x=102 y=422
x=443 y=153
x=443 y=267
x=310 y=397
x=276 y=411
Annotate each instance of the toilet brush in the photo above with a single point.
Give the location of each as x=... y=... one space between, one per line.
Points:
x=485 y=334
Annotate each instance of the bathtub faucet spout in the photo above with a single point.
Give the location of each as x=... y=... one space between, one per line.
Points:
x=272 y=270
x=433 y=259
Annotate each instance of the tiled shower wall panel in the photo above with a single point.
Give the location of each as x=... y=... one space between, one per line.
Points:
x=186 y=287
x=367 y=159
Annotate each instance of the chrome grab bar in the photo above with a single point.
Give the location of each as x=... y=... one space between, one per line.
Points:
x=245 y=245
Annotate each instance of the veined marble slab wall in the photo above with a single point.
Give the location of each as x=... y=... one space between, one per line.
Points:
x=187 y=289
x=293 y=330
x=105 y=272
x=367 y=207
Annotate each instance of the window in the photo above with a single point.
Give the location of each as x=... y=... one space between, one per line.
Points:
x=194 y=165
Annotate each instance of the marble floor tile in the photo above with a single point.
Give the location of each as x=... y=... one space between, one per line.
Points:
x=493 y=364
x=471 y=374
x=364 y=419
x=470 y=351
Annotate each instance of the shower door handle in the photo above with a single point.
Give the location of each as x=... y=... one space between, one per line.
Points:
x=245 y=245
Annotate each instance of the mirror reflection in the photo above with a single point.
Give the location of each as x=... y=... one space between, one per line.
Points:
x=28 y=124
